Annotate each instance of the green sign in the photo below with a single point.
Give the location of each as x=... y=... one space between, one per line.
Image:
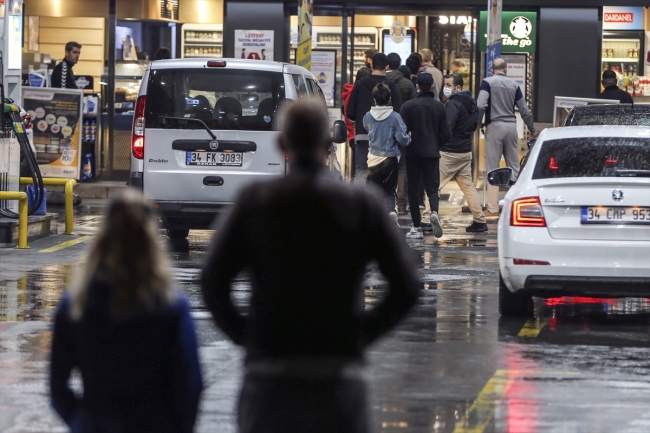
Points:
x=518 y=32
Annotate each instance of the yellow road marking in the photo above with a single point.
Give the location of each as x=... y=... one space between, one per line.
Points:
x=481 y=412
x=532 y=328
x=64 y=245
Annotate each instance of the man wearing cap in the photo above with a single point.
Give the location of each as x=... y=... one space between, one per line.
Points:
x=612 y=91
x=497 y=100
x=426 y=121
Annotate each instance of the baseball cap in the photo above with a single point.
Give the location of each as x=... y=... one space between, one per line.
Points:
x=609 y=75
x=425 y=79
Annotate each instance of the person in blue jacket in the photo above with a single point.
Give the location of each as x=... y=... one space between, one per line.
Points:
x=128 y=333
x=386 y=133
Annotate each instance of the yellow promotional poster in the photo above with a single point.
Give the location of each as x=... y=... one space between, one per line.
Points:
x=305 y=16
x=56 y=116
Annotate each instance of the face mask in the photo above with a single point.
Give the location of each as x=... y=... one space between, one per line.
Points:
x=447 y=91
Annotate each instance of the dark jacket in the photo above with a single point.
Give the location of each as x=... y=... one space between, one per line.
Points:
x=426 y=120
x=306 y=283
x=361 y=100
x=406 y=88
x=62 y=76
x=613 y=92
x=462 y=115
x=141 y=374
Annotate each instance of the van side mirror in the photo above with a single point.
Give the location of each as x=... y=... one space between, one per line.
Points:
x=339 y=132
x=500 y=177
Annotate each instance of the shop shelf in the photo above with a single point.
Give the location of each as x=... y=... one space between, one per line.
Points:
x=620 y=59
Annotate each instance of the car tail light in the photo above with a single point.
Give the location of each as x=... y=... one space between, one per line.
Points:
x=27 y=121
x=216 y=63
x=137 y=138
x=527 y=212
x=530 y=262
x=552 y=164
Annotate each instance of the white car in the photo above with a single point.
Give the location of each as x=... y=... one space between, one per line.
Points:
x=577 y=220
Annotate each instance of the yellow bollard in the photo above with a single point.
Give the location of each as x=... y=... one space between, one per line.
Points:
x=69 y=185
x=22 y=214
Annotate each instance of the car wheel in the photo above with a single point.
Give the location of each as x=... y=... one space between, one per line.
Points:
x=515 y=304
x=175 y=234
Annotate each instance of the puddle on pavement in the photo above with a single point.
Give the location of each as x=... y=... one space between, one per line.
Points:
x=37 y=294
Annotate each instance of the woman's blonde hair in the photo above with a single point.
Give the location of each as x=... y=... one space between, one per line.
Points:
x=128 y=257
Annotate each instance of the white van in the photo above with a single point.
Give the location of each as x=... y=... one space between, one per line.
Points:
x=204 y=128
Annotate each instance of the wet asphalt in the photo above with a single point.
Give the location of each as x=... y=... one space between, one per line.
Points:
x=581 y=365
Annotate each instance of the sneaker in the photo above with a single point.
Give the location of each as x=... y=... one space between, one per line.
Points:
x=476 y=227
x=414 y=233
x=394 y=219
x=426 y=227
x=437 y=227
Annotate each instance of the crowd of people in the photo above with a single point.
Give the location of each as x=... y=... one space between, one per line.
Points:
x=411 y=129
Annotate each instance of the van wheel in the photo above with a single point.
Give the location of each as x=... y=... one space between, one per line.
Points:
x=516 y=304
x=176 y=234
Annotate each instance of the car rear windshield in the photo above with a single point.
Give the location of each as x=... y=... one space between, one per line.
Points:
x=224 y=99
x=610 y=115
x=593 y=157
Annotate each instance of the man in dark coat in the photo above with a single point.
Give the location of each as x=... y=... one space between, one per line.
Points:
x=305 y=240
x=359 y=104
x=612 y=91
x=62 y=76
x=426 y=120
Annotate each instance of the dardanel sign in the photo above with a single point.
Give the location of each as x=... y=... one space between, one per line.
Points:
x=622 y=18
x=619 y=17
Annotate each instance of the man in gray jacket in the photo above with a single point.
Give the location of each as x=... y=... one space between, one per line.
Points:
x=497 y=100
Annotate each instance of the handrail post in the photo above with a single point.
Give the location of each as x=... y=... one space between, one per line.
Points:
x=69 y=211
x=22 y=222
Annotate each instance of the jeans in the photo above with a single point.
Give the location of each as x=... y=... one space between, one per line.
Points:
x=281 y=404
x=361 y=161
x=428 y=170
x=385 y=176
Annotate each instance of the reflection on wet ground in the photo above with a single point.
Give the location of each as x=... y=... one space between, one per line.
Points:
x=453 y=366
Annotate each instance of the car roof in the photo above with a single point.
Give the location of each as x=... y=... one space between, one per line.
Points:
x=596 y=131
x=256 y=65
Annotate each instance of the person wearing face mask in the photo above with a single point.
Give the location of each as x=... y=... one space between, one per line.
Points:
x=456 y=154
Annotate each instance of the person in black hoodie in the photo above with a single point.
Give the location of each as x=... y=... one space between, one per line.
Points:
x=359 y=104
x=426 y=120
x=62 y=76
x=612 y=91
x=456 y=154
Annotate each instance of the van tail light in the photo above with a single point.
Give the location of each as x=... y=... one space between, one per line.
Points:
x=530 y=262
x=527 y=212
x=137 y=138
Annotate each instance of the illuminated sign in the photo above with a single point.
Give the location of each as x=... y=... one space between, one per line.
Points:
x=444 y=19
x=622 y=18
x=518 y=32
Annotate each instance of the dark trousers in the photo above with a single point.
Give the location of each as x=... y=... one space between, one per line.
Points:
x=361 y=161
x=280 y=404
x=402 y=197
x=429 y=170
x=385 y=176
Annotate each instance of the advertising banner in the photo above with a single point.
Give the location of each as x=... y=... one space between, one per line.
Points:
x=254 y=44
x=517 y=69
x=56 y=114
x=323 y=66
x=622 y=18
x=305 y=19
x=518 y=32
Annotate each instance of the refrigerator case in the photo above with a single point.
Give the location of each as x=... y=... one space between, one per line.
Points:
x=330 y=37
x=623 y=52
x=202 y=40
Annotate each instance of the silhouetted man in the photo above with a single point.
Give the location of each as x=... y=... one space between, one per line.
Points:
x=305 y=241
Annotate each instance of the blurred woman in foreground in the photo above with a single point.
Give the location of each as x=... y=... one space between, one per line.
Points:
x=128 y=333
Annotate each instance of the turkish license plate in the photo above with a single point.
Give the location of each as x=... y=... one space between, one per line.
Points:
x=214 y=159
x=615 y=215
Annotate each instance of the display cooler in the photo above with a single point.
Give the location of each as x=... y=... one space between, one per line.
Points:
x=128 y=77
x=623 y=52
x=202 y=40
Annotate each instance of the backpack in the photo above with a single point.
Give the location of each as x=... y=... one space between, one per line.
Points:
x=472 y=110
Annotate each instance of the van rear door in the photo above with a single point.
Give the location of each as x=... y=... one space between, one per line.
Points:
x=209 y=132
